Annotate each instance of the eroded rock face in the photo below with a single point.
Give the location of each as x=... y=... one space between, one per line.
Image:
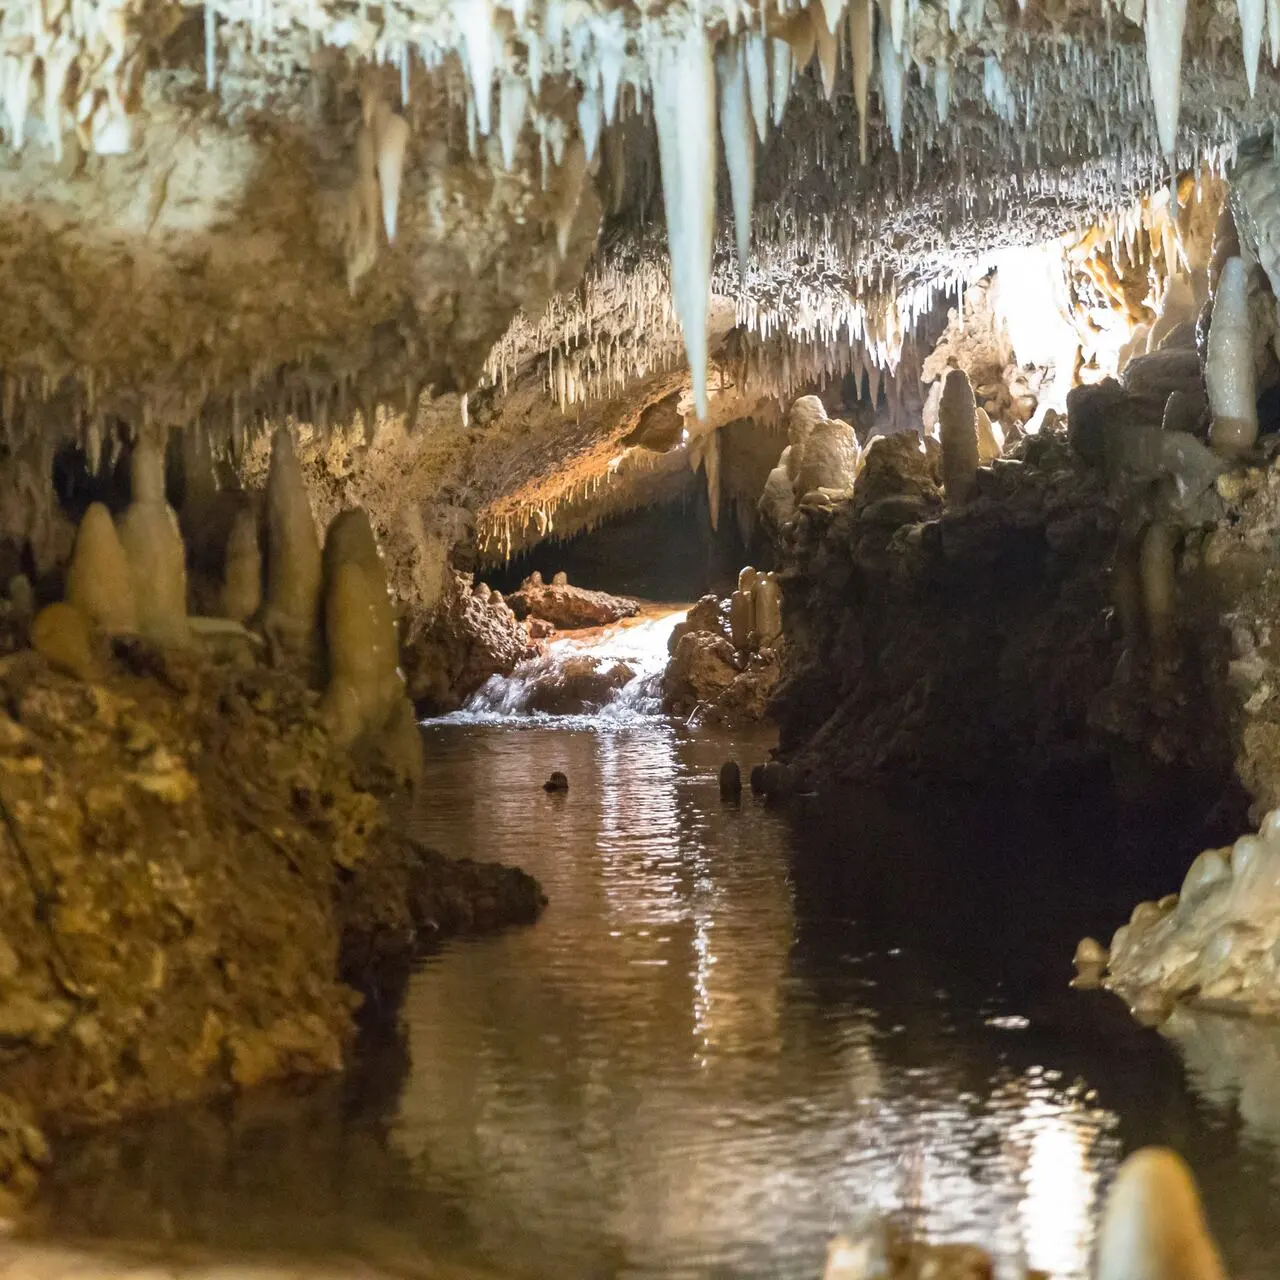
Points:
x=451 y=652
x=210 y=813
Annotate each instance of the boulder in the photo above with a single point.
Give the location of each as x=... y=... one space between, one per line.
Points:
x=568 y=608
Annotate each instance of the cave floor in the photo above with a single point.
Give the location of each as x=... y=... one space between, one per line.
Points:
x=736 y=1030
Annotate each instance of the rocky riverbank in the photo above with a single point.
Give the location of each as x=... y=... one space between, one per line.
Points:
x=199 y=889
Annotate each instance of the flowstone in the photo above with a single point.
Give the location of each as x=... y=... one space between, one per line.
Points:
x=154 y=549
x=99 y=581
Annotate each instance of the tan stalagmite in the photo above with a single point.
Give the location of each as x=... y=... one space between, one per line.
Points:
x=768 y=608
x=742 y=618
x=1158 y=590
x=153 y=546
x=957 y=426
x=241 y=594
x=291 y=611
x=1153 y=1226
x=99 y=582
x=365 y=700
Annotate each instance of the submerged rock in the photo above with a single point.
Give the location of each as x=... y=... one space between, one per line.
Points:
x=730 y=780
x=557 y=782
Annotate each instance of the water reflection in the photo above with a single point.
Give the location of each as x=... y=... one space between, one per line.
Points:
x=735 y=1032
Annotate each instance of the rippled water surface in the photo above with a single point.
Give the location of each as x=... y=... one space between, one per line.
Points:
x=735 y=1031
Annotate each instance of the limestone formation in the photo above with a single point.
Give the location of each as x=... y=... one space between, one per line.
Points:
x=1229 y=365
x=365 y=697
x=742 y=619
x=1153 y=1225
x=241 y=595
x=291 y=611
x=956 y=424
x=99 y=580
x=989 y=445
x=829 y=459
x=1158 y=584
x=60 y=635
x=153 y=546
x=767 y=608
x=777 y=506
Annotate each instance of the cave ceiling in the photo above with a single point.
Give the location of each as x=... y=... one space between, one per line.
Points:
x=221 y=213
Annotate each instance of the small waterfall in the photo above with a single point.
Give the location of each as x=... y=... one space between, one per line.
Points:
x=613 y=674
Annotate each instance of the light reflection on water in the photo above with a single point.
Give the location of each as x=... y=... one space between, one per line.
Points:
x=735 y=1032
x=645 y=1076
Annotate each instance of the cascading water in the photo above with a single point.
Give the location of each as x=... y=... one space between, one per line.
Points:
x=612 y=674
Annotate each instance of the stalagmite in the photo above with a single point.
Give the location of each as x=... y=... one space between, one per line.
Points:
x=861 y=24
x=1153 y=1226
x=241 y=593
x=365 y=701
x=742 y=621
x=739 y=141
x=767 y=609
x=1253 y=15
x=1158 y=589
x=957 y=428
x=1229 y=370
x=684 y=106
x=99 y=582
x=153 y=546
x=291 y=611
x=1163 y=28
x=893 y=78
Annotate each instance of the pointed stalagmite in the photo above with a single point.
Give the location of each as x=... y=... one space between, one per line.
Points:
x=957 y=426
x=767 y=608
x=1153 y=1225
x=742 y=618
x=291 y=611
x=153 y=546
x=99 y=582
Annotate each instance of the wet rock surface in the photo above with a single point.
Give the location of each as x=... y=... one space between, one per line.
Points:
x=947 y=643
x=196 y=889
x=567 y=607
x=450 y=653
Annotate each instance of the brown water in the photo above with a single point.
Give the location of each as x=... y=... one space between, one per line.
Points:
x=735 y=1032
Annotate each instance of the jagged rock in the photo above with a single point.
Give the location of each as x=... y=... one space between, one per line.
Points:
x=707 y=615
x=153 y=546
x=291 y=610
x=60 y=634
x=450 y=653
x=702 y=667
x=569 y=608
x=99 y=581
x=896 y=466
